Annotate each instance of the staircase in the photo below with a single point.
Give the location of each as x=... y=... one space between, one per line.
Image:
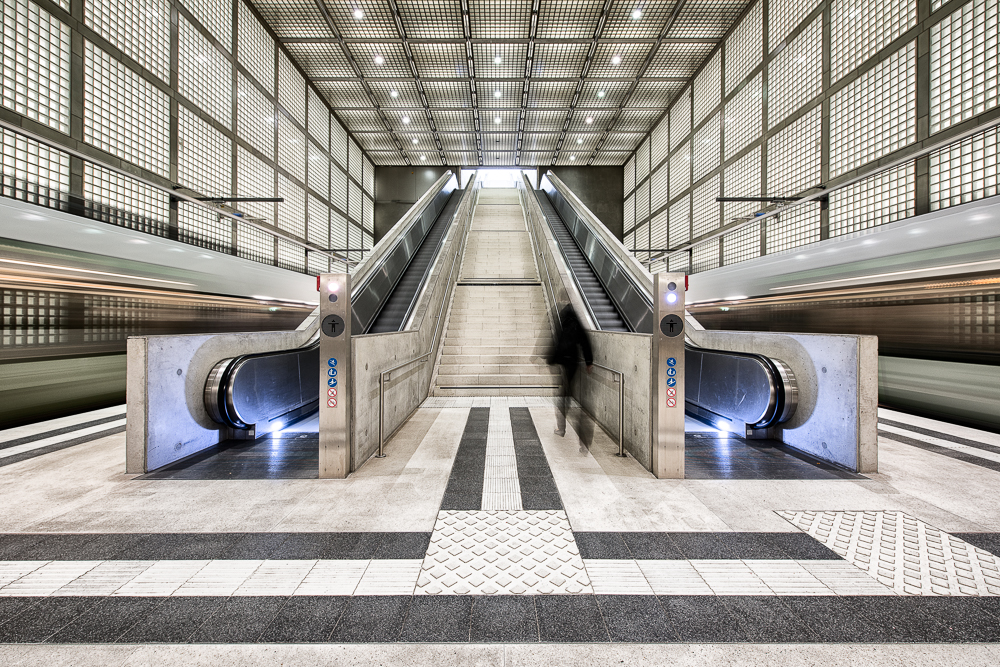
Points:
x=498 y=330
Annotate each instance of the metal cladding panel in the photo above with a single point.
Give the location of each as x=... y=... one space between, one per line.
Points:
x=263 y=388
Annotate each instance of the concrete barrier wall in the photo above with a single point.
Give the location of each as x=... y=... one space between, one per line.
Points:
x=836 y=419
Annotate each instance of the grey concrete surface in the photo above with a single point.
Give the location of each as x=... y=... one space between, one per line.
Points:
x=601 y=189
x=397 y=189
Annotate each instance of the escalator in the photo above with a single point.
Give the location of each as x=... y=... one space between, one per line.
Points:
x=266 y=390
x=729 y=389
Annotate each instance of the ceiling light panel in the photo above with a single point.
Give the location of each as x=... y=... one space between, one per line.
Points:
x=494 y=141
x=535 y=141
x=394 y=62
x=424 y=141
x=632 y=57
x=558 y=60
x=320 y=60
x=582 y=141
x=571 y=158
x=508 y=120
x=607 y=158
x=568 y=19
x=375 y=141
x=599 y=119
x=454 y=121
x=654 y=94
x=544 y=121
x=505 y=19
x=510 y=94
x=376 y=23
x=498 y=158
x=551 y=93
x=706 y=19
x=431 y=158
x=384 y=159
x=431 y=19
x=345 y=94
x=622 y=141
x=361 y=121
x=440 y=61
x=637 y=120
x=468 y=158
x=678 y=59
x=622 y=24
x=458 y=141
x=614 y=92
x=448 y=94
x=293 y=18
x=512 y=60
x=406 y=93
x=536 y=159
x=407 y=121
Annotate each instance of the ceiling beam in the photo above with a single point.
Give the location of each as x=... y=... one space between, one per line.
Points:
x=465 y=79
x=515 y=40
x=528 y=64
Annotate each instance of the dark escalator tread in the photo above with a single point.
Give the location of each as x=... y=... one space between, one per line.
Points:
x=396 y=307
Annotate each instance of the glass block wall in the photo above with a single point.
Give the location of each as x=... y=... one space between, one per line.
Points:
x=235 y=117
x=808 y=93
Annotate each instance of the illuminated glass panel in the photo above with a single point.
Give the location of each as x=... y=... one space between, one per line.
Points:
x=368 y=214
x=680 y=119
x=318 y=229
x=885 y=197
x=705 y=207
x=338 y=143
x=680 y=171
x=793 y=156
x=35 y=64
x=784 y=16
x=965 y=171
x=256 y=49
x=354 y=202
x=291 y=148
x=642 y=202
x=291 y=256
x=741 y=245
x=859 y=30
x=795 y=76
x=291 y=89
x=742 y=179
x=338 y=231
x=744 y=47
x=255 y=117
x=876 y=114
x=705 y=256
x=124 y=114
x=658 y=232
x=708 y=88
x=30 y=161
x=680 y=221
x=338 y=188
x=629 y=175
x=628 y=214
x=140 y=28
x=658 y=190
x=369 y=177
x=254 y=178
x=707 y=147
x=642 y=161
x=291 y=211
x=794 y=228
x=205 y=76
x=354 y=161
x=216 y=16
x=201 y=227
x=679 y=262
x=965 y=63
x=659 y=142
x=204 y=156
x=254 y=244
x=319 y=171
x=743 y=117
x=319 y=120
x=120 y=192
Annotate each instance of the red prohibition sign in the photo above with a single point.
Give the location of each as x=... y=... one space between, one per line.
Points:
x=332 y=392
x=331 y=403
x=671 y=402
x=671 y=391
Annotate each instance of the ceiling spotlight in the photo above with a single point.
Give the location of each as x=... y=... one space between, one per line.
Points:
x=414 y=141
x=589 y=120
x=406 y=120
x=497 y=60
x=497 y=120
x=497 y=94
x=636 y=13
x=379 y=60
x=616 y=60
x=423 y=158
x=579 y=141
x=600 y=93
x=572 y=157
x=393 y=94
x=359 y=14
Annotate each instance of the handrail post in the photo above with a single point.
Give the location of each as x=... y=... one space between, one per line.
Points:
x=381 y=415
x=621 y=415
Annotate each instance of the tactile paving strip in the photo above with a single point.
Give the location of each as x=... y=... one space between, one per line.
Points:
x=503 y=553
x=501 y=488
x=902 y=552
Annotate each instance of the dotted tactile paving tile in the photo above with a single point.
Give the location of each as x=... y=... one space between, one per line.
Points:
x=503 y=553
x=902 y=552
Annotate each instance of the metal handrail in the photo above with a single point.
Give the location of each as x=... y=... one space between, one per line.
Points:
x=384 y=375
x=621 y=407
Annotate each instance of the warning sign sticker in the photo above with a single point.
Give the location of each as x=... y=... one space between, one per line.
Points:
x=332 y=392
x=671 y=402
x=331 y=403
x=671 y=392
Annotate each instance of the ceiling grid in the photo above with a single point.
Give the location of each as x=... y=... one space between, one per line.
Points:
x=499 y=82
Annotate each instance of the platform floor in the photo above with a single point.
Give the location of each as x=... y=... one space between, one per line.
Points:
x=482 y=526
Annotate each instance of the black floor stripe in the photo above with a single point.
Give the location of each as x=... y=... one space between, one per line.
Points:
x=60 y=431
x=48 y=449
x=530 y=619
x=942 y=436
x=212 y=546
x=465 y=485
x=944 y=451
x=702 y=546
x=538 y=486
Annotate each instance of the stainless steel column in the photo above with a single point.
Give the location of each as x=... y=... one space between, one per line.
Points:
x=335 y=379
x=668 y=376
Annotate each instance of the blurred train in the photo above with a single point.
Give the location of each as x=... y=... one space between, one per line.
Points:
x=74 y=290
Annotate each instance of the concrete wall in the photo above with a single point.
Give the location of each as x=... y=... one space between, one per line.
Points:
x=399 y=188
x=601 y=189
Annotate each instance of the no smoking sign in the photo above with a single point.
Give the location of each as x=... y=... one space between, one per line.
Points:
x=671 y=402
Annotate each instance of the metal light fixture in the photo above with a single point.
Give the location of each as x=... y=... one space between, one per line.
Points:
x=406 y=120
x=379 y=60
x=616 y=60
x=359 y=14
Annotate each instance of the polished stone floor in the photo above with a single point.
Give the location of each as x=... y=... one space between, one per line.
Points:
x=482 y=526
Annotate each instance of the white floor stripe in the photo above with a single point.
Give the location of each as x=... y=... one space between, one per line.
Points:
x=29 y=430
x=55 y=440
x=964 y=449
